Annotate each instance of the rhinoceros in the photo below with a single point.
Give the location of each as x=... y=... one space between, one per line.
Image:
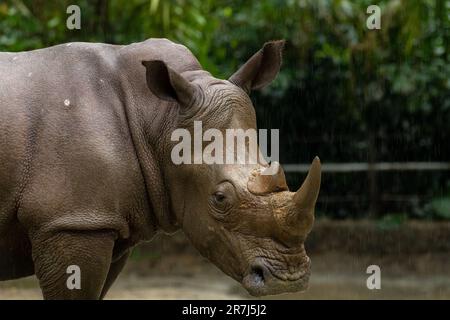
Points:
x=86 y=173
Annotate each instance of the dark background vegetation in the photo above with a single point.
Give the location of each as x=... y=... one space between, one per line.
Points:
x=345 y=93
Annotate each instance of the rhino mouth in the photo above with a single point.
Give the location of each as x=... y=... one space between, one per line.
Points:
x=261 y=279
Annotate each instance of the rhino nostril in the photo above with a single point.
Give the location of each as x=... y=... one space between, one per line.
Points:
x=258 y=275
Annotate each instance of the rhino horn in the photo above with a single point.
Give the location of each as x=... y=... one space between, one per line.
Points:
x=273 y=180
x=301 y=214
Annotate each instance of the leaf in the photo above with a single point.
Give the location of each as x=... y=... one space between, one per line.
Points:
x=53 y=23
x=154 y=6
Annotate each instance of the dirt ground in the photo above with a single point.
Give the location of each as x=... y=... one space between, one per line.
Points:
x=346 y=280
x=169 y=268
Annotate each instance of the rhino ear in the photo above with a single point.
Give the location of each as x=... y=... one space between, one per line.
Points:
x=168 y=84
x=261 y=69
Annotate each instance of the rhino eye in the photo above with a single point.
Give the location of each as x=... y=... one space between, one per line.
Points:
x=222 y=199
x=219 y=197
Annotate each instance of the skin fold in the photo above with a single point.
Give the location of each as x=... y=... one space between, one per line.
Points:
x=86 y=172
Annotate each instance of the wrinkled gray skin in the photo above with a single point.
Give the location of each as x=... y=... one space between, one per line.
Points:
x=86 y=174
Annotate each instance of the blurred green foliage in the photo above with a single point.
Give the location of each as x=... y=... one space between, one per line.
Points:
x=392 y=221
x=345 y=92
x=441 y=207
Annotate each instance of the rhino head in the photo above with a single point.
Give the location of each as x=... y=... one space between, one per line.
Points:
x=247 y=223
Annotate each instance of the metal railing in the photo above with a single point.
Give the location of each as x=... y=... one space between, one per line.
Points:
x=364 y=166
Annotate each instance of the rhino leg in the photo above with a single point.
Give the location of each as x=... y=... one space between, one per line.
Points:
x=91 y=251
x=114 y=270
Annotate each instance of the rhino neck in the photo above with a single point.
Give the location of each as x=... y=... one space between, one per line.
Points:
x=149 y=120
x=152 y=120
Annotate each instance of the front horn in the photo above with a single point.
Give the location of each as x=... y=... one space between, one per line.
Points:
x=301 y=214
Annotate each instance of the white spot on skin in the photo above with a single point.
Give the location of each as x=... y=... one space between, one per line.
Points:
x=102 y=81
x=30 y=74
x=15 y=58
x=68 y=45
x=67 y=102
